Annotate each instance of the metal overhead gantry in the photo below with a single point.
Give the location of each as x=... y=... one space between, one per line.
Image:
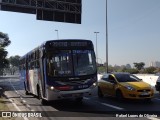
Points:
x=50 y=10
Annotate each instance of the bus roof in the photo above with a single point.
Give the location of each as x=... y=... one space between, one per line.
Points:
x=57 y=40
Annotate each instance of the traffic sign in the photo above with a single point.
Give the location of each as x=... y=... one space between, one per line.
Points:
x=50 y=10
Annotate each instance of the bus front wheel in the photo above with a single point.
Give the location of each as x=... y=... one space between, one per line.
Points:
x=79 y=99
x=44 y=102
x=38 y=93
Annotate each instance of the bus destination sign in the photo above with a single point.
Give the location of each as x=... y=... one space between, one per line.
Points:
x=68 y=44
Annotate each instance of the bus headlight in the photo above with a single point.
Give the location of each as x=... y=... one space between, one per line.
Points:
x=51 y=88
x=93 y=85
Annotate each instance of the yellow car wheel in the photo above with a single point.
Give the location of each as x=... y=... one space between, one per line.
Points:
x=148 y=100
x=100 y=94
x=119 y=95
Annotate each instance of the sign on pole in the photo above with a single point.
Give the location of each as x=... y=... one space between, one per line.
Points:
x=51 y=10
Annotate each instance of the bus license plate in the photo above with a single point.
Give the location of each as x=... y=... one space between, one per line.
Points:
x=82 y=86
x=76 y=95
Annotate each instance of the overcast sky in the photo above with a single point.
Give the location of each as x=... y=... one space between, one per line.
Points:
x=133 y=30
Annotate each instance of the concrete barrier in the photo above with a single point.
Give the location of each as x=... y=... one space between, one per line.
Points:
x=99 y=76
x=148 y=78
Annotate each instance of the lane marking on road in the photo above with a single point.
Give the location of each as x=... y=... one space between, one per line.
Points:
x=108 y=105
x=86 y=98
x=112 y=106
x=16 y=107
x=14 y=104
x=156 y=98
x=22 y=100
x=153 y=118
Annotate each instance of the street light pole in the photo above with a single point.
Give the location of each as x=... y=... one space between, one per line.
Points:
x=57 y=34
x=96 y=47
x=106 y=40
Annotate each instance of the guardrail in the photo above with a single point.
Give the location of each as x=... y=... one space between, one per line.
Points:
x=148 y=78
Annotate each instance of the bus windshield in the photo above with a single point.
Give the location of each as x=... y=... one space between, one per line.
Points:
x=84 y=62
x=71 y=63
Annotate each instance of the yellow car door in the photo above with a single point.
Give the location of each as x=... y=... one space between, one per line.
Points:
x=111 y=85
x=104 y=84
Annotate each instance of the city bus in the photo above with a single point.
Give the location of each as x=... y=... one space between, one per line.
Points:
x=60 y=69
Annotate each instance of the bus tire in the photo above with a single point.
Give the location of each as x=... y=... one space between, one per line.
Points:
x=26 y=92
x=79 y=99
x=44 y=102
x=39 y=96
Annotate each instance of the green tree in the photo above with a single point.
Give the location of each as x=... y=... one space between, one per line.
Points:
x=14 y=64
x=157 y=70
x=101 y=69
x=150 y=70
x=139 y=66
x=4 y=42
x=14 y=60
x=132 y=71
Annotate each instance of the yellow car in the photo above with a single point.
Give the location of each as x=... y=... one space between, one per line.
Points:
x=124 y=85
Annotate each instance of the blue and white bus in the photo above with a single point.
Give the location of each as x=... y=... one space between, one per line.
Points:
x=60 y=69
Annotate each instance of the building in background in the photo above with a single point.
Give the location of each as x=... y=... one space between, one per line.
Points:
x=154 y=64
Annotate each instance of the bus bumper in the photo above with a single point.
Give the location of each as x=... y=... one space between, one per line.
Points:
x=58 y=95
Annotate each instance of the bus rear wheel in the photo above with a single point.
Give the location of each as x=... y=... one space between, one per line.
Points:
x=38 y=93
x=25 y=87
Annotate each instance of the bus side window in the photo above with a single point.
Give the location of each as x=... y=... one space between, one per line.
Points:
x=24 y=67
x=20 y=67
x=31 y=66
x=28 y=66
x=38 y=66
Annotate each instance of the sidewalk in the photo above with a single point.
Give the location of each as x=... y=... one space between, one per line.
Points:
x=10 y=104
x=5 y=105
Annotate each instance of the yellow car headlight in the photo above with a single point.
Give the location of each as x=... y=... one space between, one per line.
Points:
x=130 y=88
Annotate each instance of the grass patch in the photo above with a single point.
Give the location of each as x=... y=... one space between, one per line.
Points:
x=4 y=107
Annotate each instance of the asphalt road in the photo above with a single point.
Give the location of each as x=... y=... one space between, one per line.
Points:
x=90 y=109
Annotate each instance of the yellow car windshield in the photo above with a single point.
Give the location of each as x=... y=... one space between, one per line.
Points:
x=126 y=78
